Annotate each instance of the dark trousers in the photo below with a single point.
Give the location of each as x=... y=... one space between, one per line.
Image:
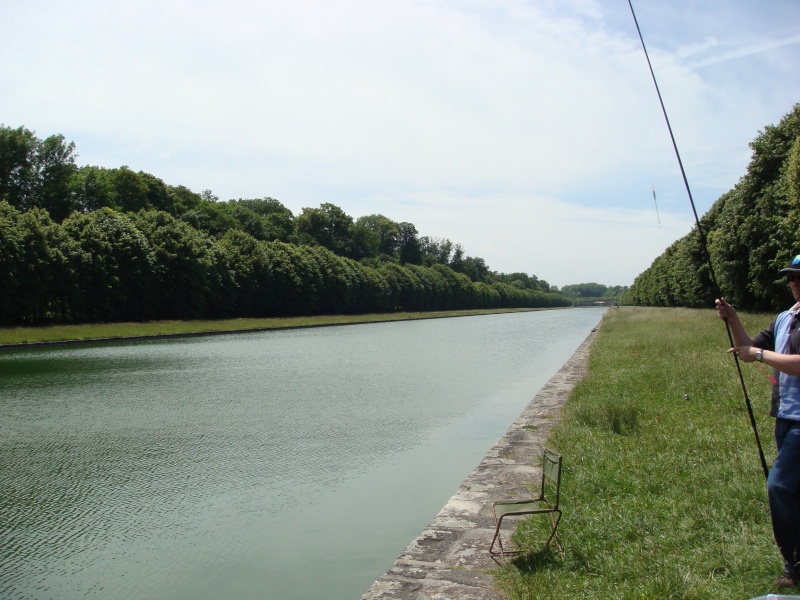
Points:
x=783 y=489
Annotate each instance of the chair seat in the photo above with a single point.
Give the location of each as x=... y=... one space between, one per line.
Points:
x=527 y=506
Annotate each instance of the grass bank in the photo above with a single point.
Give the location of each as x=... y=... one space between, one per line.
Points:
x=105 y=331
x=663 y=492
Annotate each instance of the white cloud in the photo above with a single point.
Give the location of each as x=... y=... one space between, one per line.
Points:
x=536 y=120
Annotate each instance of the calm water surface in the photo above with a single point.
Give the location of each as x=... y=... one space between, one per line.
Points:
x=278 y=465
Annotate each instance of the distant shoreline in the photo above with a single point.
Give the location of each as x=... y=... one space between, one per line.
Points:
x=22 y=338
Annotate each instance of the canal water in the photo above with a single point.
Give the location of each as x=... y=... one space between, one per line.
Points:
x=268 y=465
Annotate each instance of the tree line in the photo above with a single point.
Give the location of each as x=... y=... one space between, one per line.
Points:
x=752 y=232
x=588 y=293
x=91 y=244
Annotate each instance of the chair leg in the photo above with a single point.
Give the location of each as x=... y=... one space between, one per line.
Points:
x=494 y=539
x=497 y=539
x=554 y=521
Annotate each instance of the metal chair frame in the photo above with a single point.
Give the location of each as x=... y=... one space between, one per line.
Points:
x=540 y=505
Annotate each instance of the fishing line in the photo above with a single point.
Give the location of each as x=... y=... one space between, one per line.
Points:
x=656 y=203
x=704 y=245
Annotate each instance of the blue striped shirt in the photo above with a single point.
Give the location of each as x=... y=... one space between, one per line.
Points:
x=783 y=336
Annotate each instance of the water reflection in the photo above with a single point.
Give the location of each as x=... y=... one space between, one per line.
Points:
x=235 y=465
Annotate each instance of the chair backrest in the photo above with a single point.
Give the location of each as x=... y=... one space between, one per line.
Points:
x=551 y=469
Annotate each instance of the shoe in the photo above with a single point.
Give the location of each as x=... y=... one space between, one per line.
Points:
x=786 y=580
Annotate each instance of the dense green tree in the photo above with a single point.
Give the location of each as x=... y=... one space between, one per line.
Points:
x=111 y=268
x=451 y=295
x=249 y=221
x=55 y=166
x=458 y=258
x=36 y=173
x=584 y=290
x=183 y=199
x=526 y=282
x=380 y=297
x=296 y=278
x=409 y=250
x=432 y=292
x=159 y=195
x=386 y=230
x=342 y=282
x=790 y=176
x=122 y=189
x=251 y=277
x=187 y=277
x=277 y=221
x=214 y=218
x=17 y=166
x=510 y=297
x=476 y=269
x=328 y=226
x=11 y=265
x=130 y=190
x=364 y=242
x=435 y=250
x=486 y=295
x=92 y=189
x=403 y=285
x=37 y=267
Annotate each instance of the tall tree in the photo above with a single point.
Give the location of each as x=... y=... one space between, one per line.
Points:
x=55 y=166
x=186 y=272
x=328 y=226
x=92 y=189
x=250 y=273
x=409 y=249
x=476 y=269
x=130 y=190
x=17 y=166
x=277 y=220
x=158 y=193
x=183 y=199
x=436 y=250
x=36 y=173
x=388 y=232
x=11 y=265
x=38 y=266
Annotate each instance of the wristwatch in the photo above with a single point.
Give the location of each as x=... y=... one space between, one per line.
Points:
x=759 y=355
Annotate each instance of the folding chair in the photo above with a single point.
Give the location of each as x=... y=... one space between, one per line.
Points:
x=541 y=505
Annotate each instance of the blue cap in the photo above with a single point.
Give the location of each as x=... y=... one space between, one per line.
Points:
x=792 y=268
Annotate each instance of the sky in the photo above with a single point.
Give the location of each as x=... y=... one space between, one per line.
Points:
x=528 y=131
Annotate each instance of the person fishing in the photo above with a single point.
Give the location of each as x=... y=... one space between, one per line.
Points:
x=778 y=347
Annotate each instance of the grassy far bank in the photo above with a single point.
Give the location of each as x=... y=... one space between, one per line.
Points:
x=663 y=496
x=104 y=331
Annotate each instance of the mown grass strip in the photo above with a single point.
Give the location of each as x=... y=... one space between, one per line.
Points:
x=663 y=493
x=104 y=331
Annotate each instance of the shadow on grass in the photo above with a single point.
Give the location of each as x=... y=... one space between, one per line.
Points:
x=534 y=562
x=521 y=572
x=620 y=417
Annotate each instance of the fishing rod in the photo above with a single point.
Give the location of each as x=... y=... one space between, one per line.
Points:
x=704 y=245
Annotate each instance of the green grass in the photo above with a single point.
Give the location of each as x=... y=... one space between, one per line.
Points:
x=663 y=496
x=100 y=331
